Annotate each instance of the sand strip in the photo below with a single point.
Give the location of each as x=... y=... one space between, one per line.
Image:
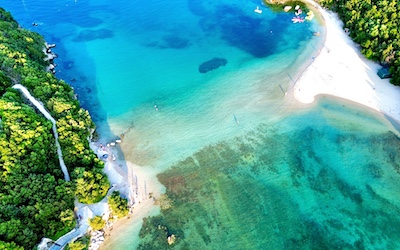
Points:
x=341 y=70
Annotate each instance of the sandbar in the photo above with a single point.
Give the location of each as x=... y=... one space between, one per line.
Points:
x=341 y=70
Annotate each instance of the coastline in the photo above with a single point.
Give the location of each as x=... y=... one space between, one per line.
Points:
x=137 y=185
x=336 y=70
x=340 y=70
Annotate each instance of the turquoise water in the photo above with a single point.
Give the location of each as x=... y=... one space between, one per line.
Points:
x=332 y=184
x=246 y=166
x=150 y=50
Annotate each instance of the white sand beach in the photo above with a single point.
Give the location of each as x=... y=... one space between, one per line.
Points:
x=133 y=182
x=341 y=70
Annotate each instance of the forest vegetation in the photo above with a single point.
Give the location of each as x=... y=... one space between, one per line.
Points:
x=97 y=223
x=35 y=200
x=118 y=205
x=375 y=26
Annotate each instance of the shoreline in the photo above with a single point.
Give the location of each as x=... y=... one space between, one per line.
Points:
x=124 y=178
x=340 y=70
x=134 y=183
x=319 y=77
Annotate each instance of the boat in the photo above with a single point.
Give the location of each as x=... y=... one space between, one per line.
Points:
x=297 y=19
x=310 y=16
x=258 y=10
x=287 y=8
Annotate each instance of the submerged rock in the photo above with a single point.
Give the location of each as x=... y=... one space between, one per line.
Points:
x=68 y=64
x=170 y=42
x=212 y=64
x=89 y=35
x=175 y=42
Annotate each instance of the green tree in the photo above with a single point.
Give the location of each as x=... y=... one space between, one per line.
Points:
x=9 y=246
x=68 y=218
x=35 y=200
x=76 y=245
x=118 y=205
x=5 y=82
x=91 y=186
x=374 y=25
x=97 y=223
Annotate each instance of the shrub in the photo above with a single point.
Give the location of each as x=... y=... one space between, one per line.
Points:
x=118 y=205
x=97 y=223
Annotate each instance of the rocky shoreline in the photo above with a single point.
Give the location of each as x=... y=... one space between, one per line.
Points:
x=50 y=56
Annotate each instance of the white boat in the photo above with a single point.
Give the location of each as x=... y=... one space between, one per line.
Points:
x=258 y=10
x=287 y=8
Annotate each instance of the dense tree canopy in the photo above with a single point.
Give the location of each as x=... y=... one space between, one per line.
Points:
x=35 y=200
x=33 y=194
x=77 y=245
x=97 y=223
x=118 y=205
x=375 y=26
x=9 y=246
x=91 y=186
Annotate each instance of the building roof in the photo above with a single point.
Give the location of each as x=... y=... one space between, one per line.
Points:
x=384 y=73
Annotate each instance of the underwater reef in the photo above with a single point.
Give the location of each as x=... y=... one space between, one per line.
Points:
x=212 y=64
